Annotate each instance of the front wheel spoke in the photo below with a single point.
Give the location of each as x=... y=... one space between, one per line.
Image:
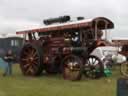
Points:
x=89 y=62
x=93 y=59
x=94 y=62
x=89 y=73
x=87 y=68
x=92 y=73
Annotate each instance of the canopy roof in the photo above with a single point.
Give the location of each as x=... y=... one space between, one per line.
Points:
x=99 y=21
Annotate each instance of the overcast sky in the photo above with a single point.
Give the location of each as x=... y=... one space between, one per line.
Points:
x=18 y=14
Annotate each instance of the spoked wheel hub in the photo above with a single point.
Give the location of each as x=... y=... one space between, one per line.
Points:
x=93 y=68
x=72 y=68
x=30 y=60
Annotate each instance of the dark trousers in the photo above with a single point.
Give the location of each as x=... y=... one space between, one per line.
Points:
x=8 y=69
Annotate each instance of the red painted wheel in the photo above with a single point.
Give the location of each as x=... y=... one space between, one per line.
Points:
x=31 y=60
x=93 y=68
x=72 y=68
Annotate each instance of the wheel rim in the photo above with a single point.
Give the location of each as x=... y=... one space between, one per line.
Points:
x=124 y=69
x=72 y=68
x=93 y=67
x=30 y=60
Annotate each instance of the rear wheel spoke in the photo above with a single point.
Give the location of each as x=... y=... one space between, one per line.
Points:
x=29 y=70
x=26 y=65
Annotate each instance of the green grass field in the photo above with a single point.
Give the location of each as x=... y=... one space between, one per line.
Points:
x=54 y=85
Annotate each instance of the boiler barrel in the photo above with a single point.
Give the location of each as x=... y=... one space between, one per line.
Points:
x=60 y=19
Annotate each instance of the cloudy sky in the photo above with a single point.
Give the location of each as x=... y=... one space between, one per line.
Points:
x=18 y=14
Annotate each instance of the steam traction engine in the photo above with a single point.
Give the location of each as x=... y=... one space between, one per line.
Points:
x=64 y=48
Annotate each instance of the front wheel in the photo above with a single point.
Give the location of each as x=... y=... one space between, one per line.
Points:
x=72 y=68
x=93 y=68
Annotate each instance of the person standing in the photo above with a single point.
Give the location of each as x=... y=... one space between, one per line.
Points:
x=9 y=58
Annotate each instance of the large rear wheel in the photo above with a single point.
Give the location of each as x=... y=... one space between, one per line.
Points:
x=31 y=60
